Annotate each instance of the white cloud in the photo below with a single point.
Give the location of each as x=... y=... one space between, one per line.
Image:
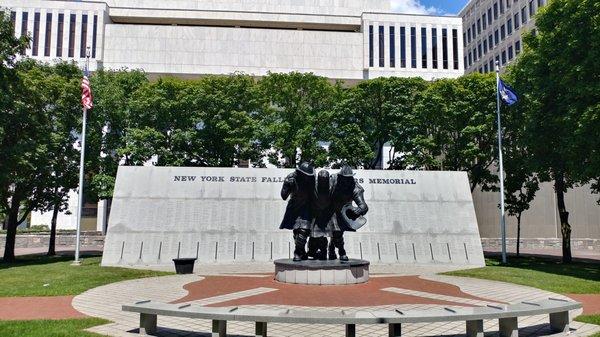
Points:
x=413 y=7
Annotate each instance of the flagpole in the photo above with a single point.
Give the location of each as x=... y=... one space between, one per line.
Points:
x=501 y=168
x=81 y=164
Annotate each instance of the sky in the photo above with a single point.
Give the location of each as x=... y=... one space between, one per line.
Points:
x=438 y=7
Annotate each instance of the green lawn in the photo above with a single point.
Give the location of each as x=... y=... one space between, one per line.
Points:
x=49 y=328
x=54 y=276
x=592 y=319
x=542 y=273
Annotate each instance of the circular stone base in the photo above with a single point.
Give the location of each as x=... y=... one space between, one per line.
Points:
x=334 y=272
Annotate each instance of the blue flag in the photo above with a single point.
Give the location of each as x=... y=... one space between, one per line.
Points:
x=507 y=93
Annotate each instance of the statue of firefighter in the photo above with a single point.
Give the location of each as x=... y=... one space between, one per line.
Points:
x=299 y=186
x=322 y=212
x=345 y=190
x=334 y=213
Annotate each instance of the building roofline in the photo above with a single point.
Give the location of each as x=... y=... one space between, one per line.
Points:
x=412 y=14
x=464 y=8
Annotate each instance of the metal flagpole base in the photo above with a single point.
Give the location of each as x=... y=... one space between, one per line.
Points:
x=76 y=263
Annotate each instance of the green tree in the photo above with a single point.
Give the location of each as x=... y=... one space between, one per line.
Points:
x=227 y=108
x=64 y=160
x=455 y=128
x=159 y=125
x=208 y=122
x=558 y=77
x=374 y=113
x=108 y=123
x=10 y=46
x=292 y=118
x=520 y=182
x=42 y=121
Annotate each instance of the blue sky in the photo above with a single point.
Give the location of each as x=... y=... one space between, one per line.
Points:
x=440 y=7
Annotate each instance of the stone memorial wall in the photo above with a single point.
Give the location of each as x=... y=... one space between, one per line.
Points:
x=225 y=215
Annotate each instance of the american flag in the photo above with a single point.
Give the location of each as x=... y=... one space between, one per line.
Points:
x=86 y=92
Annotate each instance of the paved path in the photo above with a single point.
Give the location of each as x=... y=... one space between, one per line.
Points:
x=60 y=250
x=591 y=302
x=587 y=255
x=26 y=308
x=402 y=292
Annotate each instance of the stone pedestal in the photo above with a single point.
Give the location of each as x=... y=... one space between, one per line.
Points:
x=318 y=272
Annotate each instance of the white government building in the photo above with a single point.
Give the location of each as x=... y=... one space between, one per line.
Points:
x=340 y=39
x=493 y=31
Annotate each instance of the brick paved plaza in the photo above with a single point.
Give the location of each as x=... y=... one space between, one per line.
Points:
x=390 y=287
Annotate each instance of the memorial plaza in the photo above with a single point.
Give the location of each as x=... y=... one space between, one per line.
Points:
x=299 y=168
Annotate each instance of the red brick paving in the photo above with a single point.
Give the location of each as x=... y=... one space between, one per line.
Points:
x=27 y=308
x=366 y=294
x=591 y=302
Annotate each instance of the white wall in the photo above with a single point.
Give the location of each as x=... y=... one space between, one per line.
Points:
x=64 y=221
x=414 y=217
x=332 y=7
x=217 y=50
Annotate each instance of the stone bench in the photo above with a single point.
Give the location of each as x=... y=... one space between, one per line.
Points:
x=557 y=309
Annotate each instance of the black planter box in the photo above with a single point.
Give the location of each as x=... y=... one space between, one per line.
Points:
x=184 y=266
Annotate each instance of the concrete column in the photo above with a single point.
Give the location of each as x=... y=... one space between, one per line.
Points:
x=559 y=321
x=90 y=31
x=386 y=44
x=30 y=30
x=78 y=26
x=509 y=327
x=102 y=218
x=394 y=330
x=397 y=42
x=430 y=46
x=54 y=34
x=42 y=32
x=219 y=328
x=66 y=32
x=147 y=324
x=350 y=330
x=408 y=46
x=440 y=47
x=103 y=19
x=475 y=328
x=18 y=18
x=260 y=329
x=461 y=56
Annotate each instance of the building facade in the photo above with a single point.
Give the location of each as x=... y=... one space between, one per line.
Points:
x=347 y=40
x=493 y=31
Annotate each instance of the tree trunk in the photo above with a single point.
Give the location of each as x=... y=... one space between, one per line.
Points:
x=52 y=244
x=11 y=231
x=565 y=228
x=519 y=235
